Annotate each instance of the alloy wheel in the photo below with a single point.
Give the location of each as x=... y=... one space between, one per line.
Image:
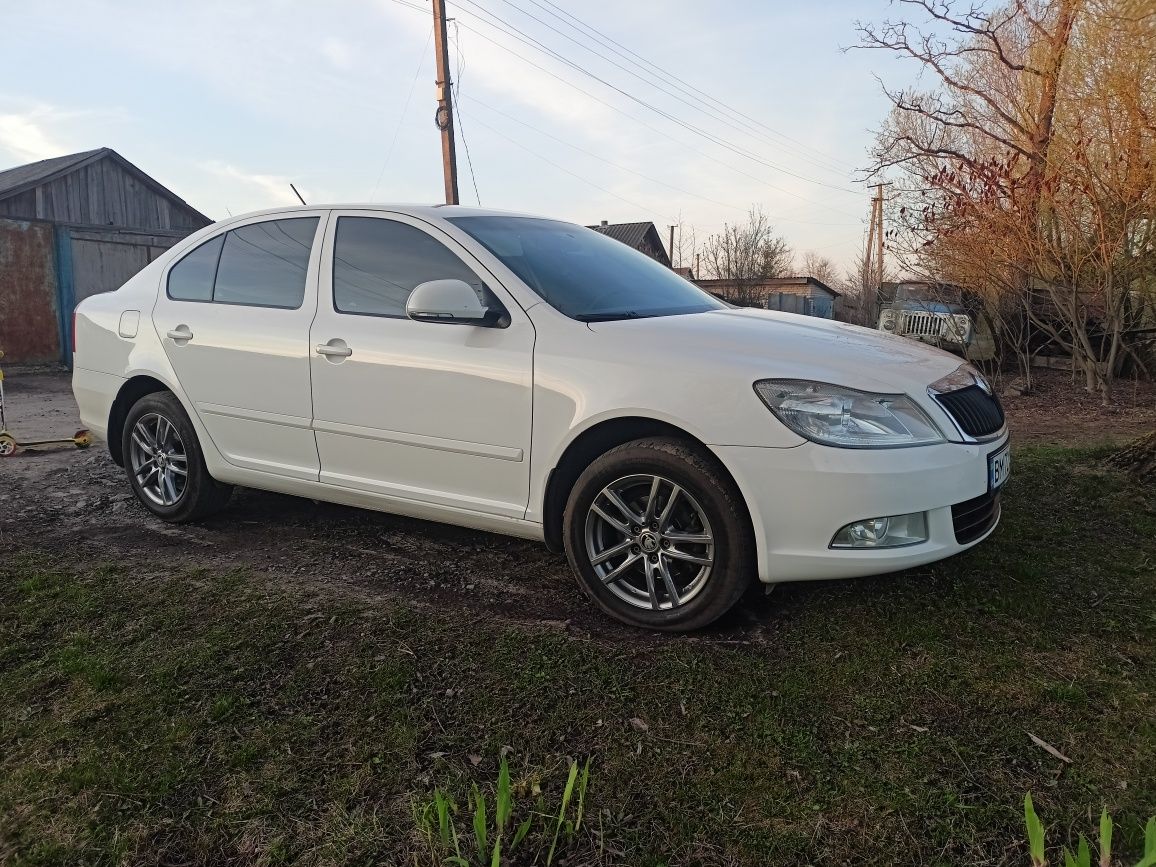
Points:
x=649 y=542
x=159 y=461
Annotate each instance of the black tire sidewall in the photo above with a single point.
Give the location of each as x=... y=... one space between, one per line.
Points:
x=202 y=492
x=707 y=483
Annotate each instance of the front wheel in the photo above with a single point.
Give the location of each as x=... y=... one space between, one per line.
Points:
x=659 y=536
x=165 y=466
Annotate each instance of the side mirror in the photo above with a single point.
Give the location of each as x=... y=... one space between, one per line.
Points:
x=451 y=302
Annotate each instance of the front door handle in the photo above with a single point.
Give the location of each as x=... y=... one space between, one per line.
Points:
x=334 y=348
x=181 y=334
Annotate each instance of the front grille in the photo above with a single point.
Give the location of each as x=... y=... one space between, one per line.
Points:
x=920 y=324
x=977 y=413
x=973 y=518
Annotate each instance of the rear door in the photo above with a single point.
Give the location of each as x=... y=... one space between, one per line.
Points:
x=436 y=413
x=233 y=317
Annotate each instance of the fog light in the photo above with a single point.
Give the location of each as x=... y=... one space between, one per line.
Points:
x=894 y=531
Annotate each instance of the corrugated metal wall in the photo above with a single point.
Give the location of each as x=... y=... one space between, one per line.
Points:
x=29 y=317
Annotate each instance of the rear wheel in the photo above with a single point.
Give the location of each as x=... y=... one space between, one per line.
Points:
x=659 y=536
x=164 y=462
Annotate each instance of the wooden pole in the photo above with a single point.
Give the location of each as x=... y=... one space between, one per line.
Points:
x=445 y=111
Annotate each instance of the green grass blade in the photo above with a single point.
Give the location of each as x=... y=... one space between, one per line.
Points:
x=480 y=822
x=1035 y=832
x=1150 y=838
x=1105 y=839
x=496 y=857
x=1069 y=861
x=505 y=798
x=1083 y=854
x=522 y=831
x=569 y=790
x=582 y=782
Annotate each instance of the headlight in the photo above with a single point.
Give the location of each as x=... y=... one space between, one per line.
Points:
x=838 y=416
x=961 y=325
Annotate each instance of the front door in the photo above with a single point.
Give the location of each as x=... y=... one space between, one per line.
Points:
x=233 y=316
x=421 y=411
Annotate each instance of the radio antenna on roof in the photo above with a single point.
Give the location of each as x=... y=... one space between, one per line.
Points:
x=297 y=194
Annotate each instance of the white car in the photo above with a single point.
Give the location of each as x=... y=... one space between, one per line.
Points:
x=535 y=378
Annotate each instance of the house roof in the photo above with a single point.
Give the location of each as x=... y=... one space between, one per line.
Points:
x=631 y=234
x=771 y=283
x=22 y=178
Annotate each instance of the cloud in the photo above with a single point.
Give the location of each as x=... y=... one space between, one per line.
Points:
x=272 y=189
x=24 y=135
x=340 y=54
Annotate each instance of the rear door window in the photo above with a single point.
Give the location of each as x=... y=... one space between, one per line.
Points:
x=265 y=264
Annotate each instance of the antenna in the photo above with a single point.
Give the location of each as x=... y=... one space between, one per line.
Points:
x=297 y=194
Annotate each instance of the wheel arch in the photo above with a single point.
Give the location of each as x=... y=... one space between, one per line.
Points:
x=596 y=441
x=133 y=390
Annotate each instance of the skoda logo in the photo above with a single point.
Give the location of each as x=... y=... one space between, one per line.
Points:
x=649 y=543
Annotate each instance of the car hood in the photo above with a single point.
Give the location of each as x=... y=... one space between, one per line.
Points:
x=769 y=344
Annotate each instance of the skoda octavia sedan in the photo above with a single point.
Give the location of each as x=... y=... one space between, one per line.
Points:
x=531 y=377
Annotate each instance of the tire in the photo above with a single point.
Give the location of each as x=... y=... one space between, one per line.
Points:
x=659 y=543
x=160 y=418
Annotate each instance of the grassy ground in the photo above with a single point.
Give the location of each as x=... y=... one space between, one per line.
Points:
x=219 y=718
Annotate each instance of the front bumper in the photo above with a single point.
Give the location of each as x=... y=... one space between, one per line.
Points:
x=799 y=497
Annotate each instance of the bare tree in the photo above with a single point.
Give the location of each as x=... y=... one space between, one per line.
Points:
x=820 y=267
x=743 y=254
x=685 y=245
x=1026 y=168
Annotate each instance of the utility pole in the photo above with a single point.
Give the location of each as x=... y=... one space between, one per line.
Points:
x=873 y=257
x=445 y=113
x=672 y=265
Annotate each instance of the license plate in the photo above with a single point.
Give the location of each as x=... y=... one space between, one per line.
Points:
x=998 y=468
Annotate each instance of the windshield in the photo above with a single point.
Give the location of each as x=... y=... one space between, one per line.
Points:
x=585 y=274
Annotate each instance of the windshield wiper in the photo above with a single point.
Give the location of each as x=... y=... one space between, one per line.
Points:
x=608 y=317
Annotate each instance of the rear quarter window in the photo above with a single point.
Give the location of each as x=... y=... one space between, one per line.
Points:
x=191 y=279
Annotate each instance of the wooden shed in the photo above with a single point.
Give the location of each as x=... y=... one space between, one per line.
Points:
x=70 y=227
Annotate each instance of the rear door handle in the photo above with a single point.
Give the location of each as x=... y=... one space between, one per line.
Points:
x=181 y=334
x=341 y=351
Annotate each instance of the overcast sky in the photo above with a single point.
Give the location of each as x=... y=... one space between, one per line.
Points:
x=227 y=101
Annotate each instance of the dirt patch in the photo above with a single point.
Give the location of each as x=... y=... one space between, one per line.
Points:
x=1060 y=412
x=78 y=502
x=62 y=499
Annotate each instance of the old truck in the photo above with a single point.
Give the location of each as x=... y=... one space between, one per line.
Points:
x=940 y=314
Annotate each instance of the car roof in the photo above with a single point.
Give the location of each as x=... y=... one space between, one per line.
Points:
x=413 y=210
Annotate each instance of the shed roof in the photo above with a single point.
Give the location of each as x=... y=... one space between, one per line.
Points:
x=631 y=234
x=23 y=178
x=20 y=178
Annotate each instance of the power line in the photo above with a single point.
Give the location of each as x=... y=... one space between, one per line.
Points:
x=650 y=127
x=405 y=108
x=457 y=110
x=610 y=42
x=475 y=101
x=742 y=123
x=623 y=112
x=526 y=39
x=561 y=168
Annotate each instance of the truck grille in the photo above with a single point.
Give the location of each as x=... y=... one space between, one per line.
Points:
x=921 y=324
x=977 y=413
x=973 y=518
